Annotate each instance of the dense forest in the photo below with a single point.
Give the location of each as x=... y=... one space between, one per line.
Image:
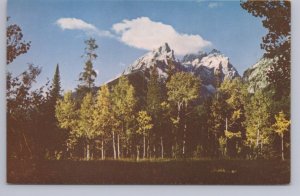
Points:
x=164 y=119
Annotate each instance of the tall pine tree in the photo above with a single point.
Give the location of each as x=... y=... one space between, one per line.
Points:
x=53 y=137
x=88 y=76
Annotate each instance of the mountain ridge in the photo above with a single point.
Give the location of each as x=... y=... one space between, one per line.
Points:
x=201 y=64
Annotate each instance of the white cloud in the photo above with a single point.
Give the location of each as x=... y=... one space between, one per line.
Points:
x=78 y=24
x=75 y=24
x=144 y=33
x=214 y=4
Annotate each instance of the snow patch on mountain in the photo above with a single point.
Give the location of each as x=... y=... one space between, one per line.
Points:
x=159 y=57
x=211 y=62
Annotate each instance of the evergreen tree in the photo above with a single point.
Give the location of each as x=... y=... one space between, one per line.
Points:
x=52 y=136
x=55 y=87
x=88 y=76
x=281 y=126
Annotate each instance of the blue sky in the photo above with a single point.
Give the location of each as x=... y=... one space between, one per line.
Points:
x=125 y=30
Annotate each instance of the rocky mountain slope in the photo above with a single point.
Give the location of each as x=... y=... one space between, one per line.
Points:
x=256 y=75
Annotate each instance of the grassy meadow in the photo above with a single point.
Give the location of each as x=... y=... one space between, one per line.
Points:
x=172 y=172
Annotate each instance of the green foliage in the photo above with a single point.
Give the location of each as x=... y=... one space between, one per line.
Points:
x=85 y=122
x=258 y=121
x=15 y=45
x=124 y=101
x=144 y=123
x=235 y=94
x=55 y=87
x=66 y=113
x=217 y=116
x=103 y=118
x=281 y=124
x=277 y=42
x=124 y=105
x=154 y=98
x=51 y=136
x=24 y=108
x=183 y=87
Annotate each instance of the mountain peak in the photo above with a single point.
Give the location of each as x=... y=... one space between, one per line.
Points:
x=164 y=48
x=158 y=57
x=215 y=51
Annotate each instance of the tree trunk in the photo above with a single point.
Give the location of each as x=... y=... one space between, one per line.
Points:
x=114 y=145
x=144 y=153
x=148 y=149
x=26 y=144
x=102 y=149
x=137 y=153
x=154 y=151
x=87 y=151
x=162 y=147
x=173 y=154
x=184 y=131
x=257 y=141
x=183 y=140
x=118 y=145
x=282 y=150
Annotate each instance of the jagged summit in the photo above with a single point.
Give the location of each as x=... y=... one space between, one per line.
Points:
x=164 y=48
x=215 y=51
x=159 y=57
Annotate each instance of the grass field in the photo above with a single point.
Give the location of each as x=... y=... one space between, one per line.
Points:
x=150 y=172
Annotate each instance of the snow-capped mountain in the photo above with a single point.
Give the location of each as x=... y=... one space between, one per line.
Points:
x=256 y=75
x=204 y=65
x=207 y=65
x=159 y=57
